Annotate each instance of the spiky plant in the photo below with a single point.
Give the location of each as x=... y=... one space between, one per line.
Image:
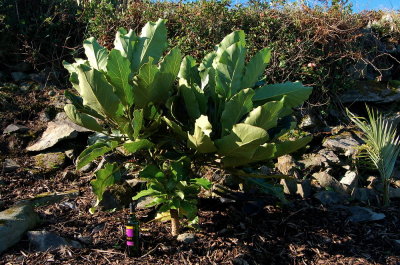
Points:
x=382 y=144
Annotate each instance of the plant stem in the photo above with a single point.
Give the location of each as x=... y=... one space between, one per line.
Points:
x=386 y=198
x=174 y=222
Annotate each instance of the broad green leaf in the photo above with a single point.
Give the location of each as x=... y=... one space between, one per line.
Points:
x=190 y=100
x=78 y=103
x=230 y=68
x=142 y=193
x=288 y=147
x=180 y=169
x=118 y=73
x=149 y=172
x=189 y=209
x=188 y=73
x=255 y=68
x=82 y=119
x=235 y=37
x=152 y=43
x=267 y=115
x=266 y=151
x=201 y=140
x=242 y=141
x=175 y=127
x=168 y=71
x=205 y=183
x=144 y=89
x=180 y=194
x=295 y=93
x=239 y=105
x=137 y=122
x=97 y=93
x=93 y=152
x=105 y=178
x=125 y=43
x=96 y=54
x=139 y=144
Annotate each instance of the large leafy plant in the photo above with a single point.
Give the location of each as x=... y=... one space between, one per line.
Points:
x=223 y=106
x=121 y=92
x=382 y=145
x=173 y=190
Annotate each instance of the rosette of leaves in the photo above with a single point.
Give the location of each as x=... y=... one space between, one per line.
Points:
x=223 y=106
x=173 y=190
x=121 y=91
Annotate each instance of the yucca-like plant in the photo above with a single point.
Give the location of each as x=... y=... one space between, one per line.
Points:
x=382 y=145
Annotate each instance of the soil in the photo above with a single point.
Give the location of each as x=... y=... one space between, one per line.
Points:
x=303 y=232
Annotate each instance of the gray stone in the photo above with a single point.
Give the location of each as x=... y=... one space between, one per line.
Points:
x=364 y=195
x=362 y=214
x=289 y=186
x=394 y=193
x=327 y=181
x=87 y=168
x=350 y=179
x=307 y=122
x=142 y=202
x=330 y=197
x=9 y=165
x=44 y=240
x=286 y=165
x=314 y=161
x=85 y=239
x=56 y=131
x=14 y=222
x=343 y=143
x=49 y=161
x=18 y=76
x=15 y=128
x=304 y=188
x=330 y=156
x=371 y=92
x=186 y=238
x=117 y=196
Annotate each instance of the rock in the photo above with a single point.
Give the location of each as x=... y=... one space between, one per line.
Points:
x=304 y=188
x=314 y=161
x=44 y=116
x=48 y=198
x=14 y=222
x=350 y=179
x=136 y=183
x=394 y=193
x=51 y=93
x=343 y=143
x=364 y=195
x=87 y=168
x=362 y=214
x=49 y=161
x=186 y=238
x=330 y=156
x=289 y=186
x=70 y=154
x=286 y=165
x=18 y=76
x=57 y=131
x=142 y=202
x=44 y=240
x=117 y=196
x=239 y=261
x=15 y=128
x=327 y=181
x=307 y=122
x=330 y=197
x=26 y=86
x=371 y=92
x=9 y=165
x=85 y=239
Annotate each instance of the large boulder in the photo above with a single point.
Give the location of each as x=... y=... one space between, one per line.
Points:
x=43 y=241
x=14 y=222
x=59 y=129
